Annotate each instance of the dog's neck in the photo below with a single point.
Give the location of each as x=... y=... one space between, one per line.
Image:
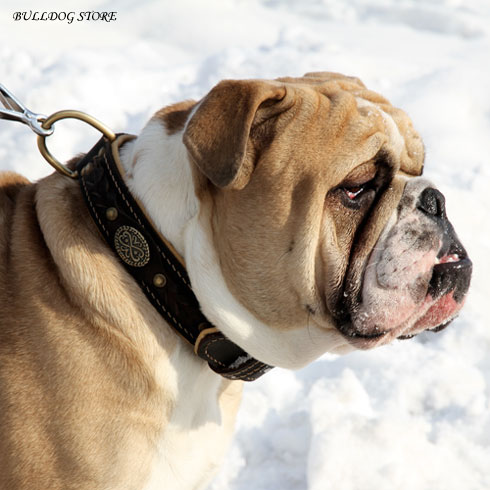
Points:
x=158 y=173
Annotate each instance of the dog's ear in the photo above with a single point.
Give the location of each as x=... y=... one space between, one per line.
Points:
x=218 y=134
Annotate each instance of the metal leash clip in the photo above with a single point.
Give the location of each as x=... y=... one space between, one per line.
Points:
x=43 y=126
x=16 y=111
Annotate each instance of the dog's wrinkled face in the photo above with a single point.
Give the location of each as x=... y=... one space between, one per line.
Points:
x=415 y=279
x=319 y=212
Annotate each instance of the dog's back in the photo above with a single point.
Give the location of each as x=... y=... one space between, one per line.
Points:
x=63 y=374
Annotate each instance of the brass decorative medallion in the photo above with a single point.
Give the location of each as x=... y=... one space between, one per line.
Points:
x=131 y=246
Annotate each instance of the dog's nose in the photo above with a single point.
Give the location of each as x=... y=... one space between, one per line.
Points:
x=432 y=203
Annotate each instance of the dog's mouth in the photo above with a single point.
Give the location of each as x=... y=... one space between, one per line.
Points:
x=451 y=272
x=444 y=298
x=446 y=293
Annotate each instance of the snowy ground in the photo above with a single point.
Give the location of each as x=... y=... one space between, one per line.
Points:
x=413 y=415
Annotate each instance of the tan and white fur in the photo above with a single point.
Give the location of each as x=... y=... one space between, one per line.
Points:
x=96 y=390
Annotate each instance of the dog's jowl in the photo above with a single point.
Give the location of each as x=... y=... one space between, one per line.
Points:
x=264 y=225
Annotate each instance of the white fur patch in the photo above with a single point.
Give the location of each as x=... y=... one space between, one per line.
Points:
x=161 y=179
x=194 y=441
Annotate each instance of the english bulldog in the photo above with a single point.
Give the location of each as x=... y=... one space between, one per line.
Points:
x=298 y=210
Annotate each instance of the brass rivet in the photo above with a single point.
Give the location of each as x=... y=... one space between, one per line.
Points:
x=159 y=280
x=111 y=214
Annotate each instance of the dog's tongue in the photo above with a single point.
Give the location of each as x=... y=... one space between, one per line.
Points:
x=448 y=258
x=441 y=312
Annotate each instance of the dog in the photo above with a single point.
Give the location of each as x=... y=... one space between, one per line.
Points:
x=296 y=206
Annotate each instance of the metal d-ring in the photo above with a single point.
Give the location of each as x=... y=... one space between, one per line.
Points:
x=69 y=114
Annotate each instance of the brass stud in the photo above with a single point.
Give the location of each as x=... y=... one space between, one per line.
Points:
x=159 y=280
x=111 y=214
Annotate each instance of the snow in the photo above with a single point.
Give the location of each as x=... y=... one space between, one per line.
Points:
x=412 y=415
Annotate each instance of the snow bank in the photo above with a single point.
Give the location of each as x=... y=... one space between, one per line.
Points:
x=413 y=415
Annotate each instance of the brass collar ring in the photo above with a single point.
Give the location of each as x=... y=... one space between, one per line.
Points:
x=68 y=114
x=43 y=126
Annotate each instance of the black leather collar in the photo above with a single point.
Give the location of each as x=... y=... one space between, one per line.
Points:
x=153 y=262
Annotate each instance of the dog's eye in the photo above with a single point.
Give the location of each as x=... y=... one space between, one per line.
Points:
x=353 y=192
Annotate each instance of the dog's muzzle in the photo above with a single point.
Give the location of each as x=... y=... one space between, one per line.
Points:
x=417 y=275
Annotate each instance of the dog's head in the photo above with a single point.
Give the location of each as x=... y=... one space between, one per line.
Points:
x=322 y=229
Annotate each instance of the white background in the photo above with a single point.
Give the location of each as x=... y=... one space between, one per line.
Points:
x=413 y=415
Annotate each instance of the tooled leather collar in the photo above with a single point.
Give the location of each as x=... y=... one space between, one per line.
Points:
x=153 y=262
